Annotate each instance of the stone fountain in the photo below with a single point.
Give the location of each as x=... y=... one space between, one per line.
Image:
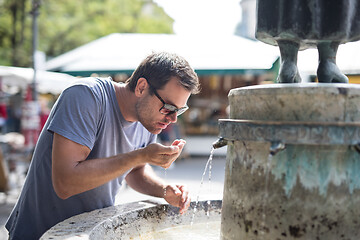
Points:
x=293 y=169
x=293 y=162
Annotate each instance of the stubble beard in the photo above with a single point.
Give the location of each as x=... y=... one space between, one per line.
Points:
x=143 y=114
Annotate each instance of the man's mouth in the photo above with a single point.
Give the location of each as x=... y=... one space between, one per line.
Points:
x=162 y=125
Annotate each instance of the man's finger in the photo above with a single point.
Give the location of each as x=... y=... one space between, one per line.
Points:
x=176 y=190
x=184 y=195
x=184 y=207
x=176 y=142
x=179 y=143
x=169 y=150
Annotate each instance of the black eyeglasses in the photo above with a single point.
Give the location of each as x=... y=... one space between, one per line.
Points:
x=168 y=109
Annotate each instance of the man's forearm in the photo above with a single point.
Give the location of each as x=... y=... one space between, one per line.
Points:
x=73 y=174
x=90 y=174
x=144 y=180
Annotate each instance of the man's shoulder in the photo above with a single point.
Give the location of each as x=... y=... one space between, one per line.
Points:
x=91 y=85
x=92 y=81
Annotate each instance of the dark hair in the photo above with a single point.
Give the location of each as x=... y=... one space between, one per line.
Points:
x=158 y=68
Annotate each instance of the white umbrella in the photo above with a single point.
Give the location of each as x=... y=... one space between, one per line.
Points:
x=46 y=82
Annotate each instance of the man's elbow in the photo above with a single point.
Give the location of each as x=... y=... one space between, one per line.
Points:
x=61 y=189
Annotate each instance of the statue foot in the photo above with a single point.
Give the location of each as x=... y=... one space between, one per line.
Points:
x=288 y=73
x=328 y=72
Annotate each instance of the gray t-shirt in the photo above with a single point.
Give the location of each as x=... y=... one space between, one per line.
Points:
x=86 y=113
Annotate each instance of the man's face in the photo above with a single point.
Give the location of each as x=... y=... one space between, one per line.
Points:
x=147 y=108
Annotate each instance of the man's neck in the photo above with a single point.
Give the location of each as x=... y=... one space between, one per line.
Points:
x=126 y=101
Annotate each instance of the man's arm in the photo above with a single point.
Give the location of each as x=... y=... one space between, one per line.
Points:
x=71 y=174
x=144 y=180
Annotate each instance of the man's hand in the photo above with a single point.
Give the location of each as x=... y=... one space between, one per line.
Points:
x=144 y=180
x=163 y=156
x=178 y=196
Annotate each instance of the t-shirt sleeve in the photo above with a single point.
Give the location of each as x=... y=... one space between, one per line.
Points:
x=76 y=115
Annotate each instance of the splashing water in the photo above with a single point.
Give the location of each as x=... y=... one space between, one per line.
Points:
x=210 y=166
x=209 y=162
x=198 y=232
x=165 y=178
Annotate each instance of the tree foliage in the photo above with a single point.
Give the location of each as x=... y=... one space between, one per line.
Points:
x=66 y=24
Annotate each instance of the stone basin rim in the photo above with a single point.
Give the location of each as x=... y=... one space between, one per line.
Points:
x=296 y=86
x=295 y=123
x=85 y=225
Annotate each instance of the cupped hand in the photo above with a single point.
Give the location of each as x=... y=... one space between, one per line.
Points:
x=163 y=156
x=178 y=196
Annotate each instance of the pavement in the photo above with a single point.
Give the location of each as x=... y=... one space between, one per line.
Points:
x=189 y=170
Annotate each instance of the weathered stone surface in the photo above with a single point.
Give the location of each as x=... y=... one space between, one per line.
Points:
x=308 y=190
x=130 y=220
x=312 y=102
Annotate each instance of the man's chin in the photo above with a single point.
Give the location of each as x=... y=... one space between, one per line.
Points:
x=158 y=131
x=155 y=130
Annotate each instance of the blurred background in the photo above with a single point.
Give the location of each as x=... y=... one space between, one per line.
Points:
x=46 y=45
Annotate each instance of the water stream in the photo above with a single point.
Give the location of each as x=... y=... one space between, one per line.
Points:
x=165 y=178
x=209 y=230
x=208 y=163
x=210 y=166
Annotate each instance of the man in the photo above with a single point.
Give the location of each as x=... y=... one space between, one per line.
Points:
x=98 y=133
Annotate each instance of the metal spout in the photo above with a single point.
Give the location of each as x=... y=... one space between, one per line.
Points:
x=276 y=147
x=357 y=147
x=221 y=142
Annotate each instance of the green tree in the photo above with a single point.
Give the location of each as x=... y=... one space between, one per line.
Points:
x=67 y=24
x=14 y=44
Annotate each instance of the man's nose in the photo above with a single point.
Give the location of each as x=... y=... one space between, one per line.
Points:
x=172 y=117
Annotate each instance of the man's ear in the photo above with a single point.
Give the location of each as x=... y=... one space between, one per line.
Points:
x=141 y=86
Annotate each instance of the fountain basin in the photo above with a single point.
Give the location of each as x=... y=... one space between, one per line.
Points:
x=129 y=221
x=292 y=166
